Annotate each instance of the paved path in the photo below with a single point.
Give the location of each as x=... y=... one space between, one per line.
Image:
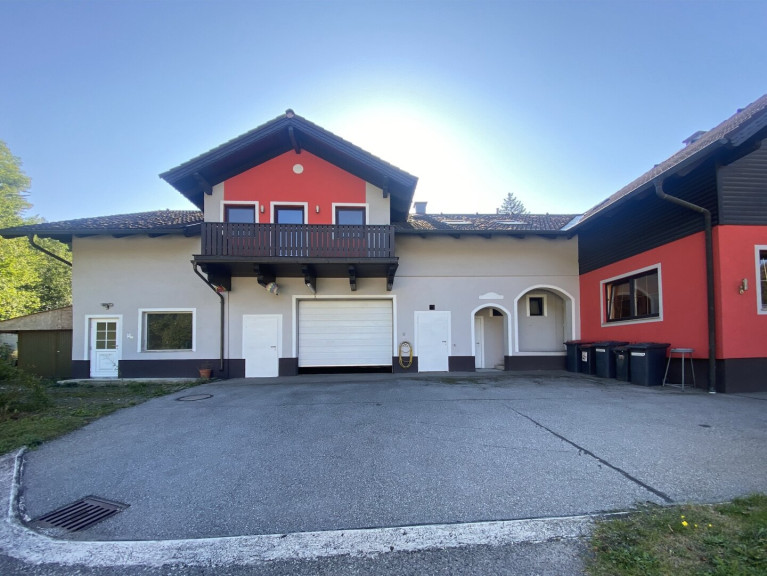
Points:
x=326 y=465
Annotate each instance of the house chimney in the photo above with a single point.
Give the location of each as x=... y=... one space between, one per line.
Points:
x=694 y=138
x=420 y=207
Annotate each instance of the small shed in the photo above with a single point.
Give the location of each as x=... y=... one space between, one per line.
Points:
x=44 y=342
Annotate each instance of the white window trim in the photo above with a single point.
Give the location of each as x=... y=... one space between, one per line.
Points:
x=545 y=304
x=335 y=205
x=602 y=303
x=226 y=203
x=760 y=306
x=273 y=205
x=140 y=345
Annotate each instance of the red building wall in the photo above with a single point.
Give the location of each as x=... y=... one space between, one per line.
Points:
x=319 y=184
x=683 y=289
x=742 y=331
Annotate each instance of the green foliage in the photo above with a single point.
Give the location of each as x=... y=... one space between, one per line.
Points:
x=19 y=391
x=30 y=281
x=512 y=205
x=723 y=540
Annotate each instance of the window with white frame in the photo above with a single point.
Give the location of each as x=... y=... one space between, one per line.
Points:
x=761 y=277
x=167 y=330
x=633 y=297
x=536 y=305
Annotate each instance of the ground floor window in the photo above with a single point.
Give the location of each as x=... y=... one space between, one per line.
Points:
x=167 y=330
x=761 y=275
x=633 y=297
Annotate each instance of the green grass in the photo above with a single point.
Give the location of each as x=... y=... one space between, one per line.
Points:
x=33 y=411
x=720 y=540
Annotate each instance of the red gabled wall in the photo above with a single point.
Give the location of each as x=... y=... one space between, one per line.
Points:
x=742 y=331
x=683 y=286
x=320 y=184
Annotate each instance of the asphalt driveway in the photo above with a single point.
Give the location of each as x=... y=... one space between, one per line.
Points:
x=341 y=452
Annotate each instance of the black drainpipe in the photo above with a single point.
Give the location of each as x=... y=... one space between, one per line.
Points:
x=221 y=297
x=709 y=278
x=31 y=239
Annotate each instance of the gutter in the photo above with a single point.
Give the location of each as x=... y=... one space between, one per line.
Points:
x=31 y=239
x=709 y=277
x=221 y=333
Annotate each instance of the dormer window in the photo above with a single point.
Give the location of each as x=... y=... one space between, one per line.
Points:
x=240 y=213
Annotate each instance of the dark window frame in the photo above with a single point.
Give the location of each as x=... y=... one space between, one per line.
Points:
x=251 y=207
x=149 y=341
x=350 y=209
x=291 y=207
x=623 y=294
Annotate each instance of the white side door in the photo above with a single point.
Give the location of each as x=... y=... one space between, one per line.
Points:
x=432 y=340
x=104 y=347
x=262 y=344
x=479 y=342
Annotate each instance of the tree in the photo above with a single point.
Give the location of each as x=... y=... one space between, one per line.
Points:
x=512 y=205
x=30 y=281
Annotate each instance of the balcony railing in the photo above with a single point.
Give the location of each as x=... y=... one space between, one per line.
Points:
x=297 y=240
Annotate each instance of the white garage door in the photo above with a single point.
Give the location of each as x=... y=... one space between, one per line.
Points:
x=344 y=333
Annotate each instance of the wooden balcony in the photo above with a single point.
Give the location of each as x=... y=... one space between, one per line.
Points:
x=272 y=250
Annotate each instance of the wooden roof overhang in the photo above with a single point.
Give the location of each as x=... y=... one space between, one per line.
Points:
x=221 y=269
x=196 y=177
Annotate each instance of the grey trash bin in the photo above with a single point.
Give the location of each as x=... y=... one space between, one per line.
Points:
x=605 y=358
x=648 y=363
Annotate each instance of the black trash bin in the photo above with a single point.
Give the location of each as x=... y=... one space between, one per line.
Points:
x=648 y=363
x=622 y=359
x=586 y=361
x=573 y=355
x=605 y=359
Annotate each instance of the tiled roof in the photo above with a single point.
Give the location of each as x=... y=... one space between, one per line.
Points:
x=484 y=223
x=733 y=131
x=155 y=222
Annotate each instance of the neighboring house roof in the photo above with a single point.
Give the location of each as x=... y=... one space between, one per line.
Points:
x=499 y=224
x=58 y=319
x=733 y=132
x=289 y=132
x=158 y=222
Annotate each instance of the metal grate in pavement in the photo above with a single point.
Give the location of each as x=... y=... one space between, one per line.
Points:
x=80 y=515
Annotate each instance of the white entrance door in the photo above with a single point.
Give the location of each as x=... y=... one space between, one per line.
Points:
x=104 y=347
x=262 y=344
x=479 y=342
x=432 y=340
x=345 y=332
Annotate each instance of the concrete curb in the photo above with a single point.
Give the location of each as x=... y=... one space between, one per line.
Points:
x=18 y=541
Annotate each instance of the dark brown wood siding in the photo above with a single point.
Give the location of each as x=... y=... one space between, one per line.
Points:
x=646 y=222
x=743 y=190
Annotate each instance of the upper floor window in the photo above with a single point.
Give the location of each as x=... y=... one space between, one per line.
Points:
x=350 y=216
x=289 y=214
x=240 y=213
x=761 y=276
x=634 y=297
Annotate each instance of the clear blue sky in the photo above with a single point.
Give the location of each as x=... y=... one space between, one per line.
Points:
x=560 y=102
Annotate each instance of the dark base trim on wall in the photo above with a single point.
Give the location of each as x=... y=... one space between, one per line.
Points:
x=288 y=367
x=234 y=368
x=738 y=375
x=81 y=369
x=534 y=362
x=461 y=364
x=397 y=369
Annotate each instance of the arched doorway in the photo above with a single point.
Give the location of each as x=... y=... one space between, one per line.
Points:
x=490 y=330
x=545 y=319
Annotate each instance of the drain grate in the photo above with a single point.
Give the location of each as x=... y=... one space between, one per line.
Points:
x=80 y=515
x=194 y=397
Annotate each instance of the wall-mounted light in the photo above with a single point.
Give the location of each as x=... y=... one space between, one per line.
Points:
x=317 y=208
x=743 y=286
x=272 y=288
x=107 y=305
x=262 y=208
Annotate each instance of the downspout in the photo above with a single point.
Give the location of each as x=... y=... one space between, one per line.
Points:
x=709 y=278
x=31 y=239
x=221 y=297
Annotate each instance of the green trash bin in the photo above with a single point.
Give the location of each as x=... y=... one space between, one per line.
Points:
x=648 y=363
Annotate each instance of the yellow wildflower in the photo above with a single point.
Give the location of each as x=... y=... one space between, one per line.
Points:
x=684 y=523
